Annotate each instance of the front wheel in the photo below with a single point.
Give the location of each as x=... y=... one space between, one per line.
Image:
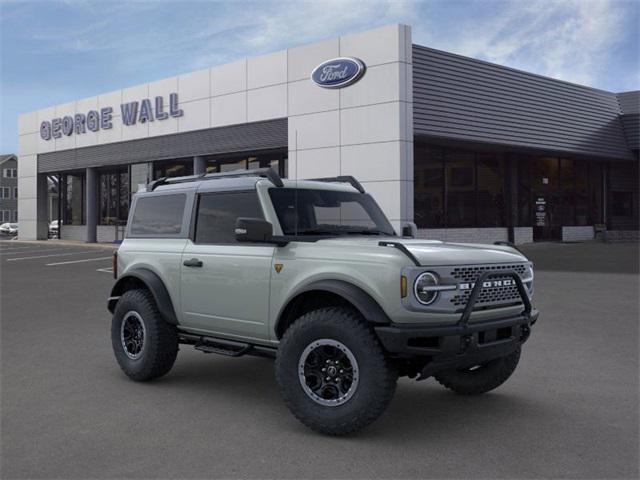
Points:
x=481 y=378
x=333 y=373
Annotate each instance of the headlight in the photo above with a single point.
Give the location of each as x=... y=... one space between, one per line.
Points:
x=424 y=289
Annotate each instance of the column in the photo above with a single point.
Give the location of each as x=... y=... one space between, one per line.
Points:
x=199 y=165
x=91 y=202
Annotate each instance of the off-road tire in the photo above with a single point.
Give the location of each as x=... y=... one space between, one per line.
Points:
x=160 y=346
x=377 y=374
x=481 y=380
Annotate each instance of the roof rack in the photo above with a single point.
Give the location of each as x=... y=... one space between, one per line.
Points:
x=342 y=179
x=269 y=173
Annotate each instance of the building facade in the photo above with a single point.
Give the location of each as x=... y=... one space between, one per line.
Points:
x=468 y=150
x=9 y=189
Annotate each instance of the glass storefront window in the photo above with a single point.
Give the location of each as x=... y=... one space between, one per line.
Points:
x=491 y=199
x=73 y=186
x=228 y=163
x=173 y=168
x=460 y=189
x=429 y=187
x=113 y=197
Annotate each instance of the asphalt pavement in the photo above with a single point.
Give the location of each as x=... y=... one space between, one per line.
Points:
x=569 y=411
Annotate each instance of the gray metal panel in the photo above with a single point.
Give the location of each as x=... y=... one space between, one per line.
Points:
x=460 y=98
x=631 y=127
x=235 y=138
x=629 y=101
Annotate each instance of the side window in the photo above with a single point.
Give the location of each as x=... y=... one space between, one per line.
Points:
x=218 y=212
x=158 y=215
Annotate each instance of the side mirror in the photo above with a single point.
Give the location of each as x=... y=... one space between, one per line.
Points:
x=410 y=230
x=253 y=230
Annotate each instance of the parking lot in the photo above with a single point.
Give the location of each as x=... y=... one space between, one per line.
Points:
x=569 y=411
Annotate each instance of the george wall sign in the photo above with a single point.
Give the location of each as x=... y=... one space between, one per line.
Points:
x=339 y=72
x=94 y=120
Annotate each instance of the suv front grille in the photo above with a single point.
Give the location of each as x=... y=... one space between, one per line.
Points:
x=489 y=296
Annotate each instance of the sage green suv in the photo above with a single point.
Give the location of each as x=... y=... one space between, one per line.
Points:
x=311 y=273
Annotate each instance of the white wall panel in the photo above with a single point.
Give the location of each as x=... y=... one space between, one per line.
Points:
x=315 y=130
x=229 y=78
x=229 y=109
x=370 y=124
x=266 y=103
x=162 y=88
x=28 y=123
x=194 y=85
x=28 y=144
x=197 y=115
x=303 y=59
x=320 y=162
x=373 y=47
x=380 y=84
x=306 y=97
x=267 y=70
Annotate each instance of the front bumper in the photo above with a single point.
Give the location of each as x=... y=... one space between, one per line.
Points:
x=448 y=347
x=463 y=344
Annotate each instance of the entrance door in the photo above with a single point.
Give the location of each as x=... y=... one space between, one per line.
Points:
x=545 y=188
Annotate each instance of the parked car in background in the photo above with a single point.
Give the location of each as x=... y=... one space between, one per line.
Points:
x=54 y=229
x=9 y=229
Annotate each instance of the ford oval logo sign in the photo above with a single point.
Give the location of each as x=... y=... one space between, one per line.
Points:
x=338 y=73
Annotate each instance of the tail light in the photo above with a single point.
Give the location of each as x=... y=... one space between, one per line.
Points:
x=114 y=264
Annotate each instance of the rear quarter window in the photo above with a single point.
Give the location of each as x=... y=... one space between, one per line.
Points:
x=158 y=215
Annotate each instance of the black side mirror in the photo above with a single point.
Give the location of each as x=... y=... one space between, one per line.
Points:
x=253 y=230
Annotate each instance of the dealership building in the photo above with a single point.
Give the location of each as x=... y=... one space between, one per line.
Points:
x=468 y=150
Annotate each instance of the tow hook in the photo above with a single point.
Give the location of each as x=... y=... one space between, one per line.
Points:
x=526 y=331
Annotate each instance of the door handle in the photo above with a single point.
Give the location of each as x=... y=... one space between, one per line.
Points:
x=194 y=262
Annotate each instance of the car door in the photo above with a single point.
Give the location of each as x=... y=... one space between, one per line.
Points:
x=225 y=284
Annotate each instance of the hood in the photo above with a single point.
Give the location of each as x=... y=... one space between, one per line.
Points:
x=434 y=252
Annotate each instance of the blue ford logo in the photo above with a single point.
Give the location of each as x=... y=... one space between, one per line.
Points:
x=338 y=73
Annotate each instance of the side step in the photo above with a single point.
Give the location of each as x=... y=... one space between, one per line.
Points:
x=223 y=346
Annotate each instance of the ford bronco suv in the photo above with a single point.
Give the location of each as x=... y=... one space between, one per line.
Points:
x=312 y=274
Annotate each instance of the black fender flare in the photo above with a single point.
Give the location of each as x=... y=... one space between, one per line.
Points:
x=356 y=296
x=154 y=284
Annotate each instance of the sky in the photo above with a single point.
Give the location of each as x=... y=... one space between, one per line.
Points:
x=55 y=51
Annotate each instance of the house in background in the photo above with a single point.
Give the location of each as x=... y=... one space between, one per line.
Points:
x=9 y=188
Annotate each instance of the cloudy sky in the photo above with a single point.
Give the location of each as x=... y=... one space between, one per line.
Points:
x=57 y=51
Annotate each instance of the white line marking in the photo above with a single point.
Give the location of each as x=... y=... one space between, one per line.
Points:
x=39 y=250
x=78 y=261
x=52 y=255
x=105 y=270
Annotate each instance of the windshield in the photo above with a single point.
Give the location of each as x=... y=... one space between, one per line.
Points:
x=328 y=212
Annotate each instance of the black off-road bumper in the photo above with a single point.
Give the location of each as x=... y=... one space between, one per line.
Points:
x=462 y=345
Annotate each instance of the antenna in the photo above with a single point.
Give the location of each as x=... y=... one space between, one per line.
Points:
x=295 y=192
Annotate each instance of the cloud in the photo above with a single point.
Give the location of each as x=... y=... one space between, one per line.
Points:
x=569 y=40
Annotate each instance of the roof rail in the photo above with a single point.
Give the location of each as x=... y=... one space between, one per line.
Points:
x=342 y=179
x=269 y=173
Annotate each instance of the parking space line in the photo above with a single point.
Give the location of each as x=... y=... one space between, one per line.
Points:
x=78 y=261
x=38 y=250
x=51 y=255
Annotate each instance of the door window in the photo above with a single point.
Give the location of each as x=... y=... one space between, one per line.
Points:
x=218 y=212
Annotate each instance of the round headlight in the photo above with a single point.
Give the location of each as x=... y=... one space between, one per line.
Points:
x=423 y=293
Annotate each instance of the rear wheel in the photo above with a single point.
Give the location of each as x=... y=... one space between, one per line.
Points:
x=144 y=345
x=481 y=378
x=332 y=372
